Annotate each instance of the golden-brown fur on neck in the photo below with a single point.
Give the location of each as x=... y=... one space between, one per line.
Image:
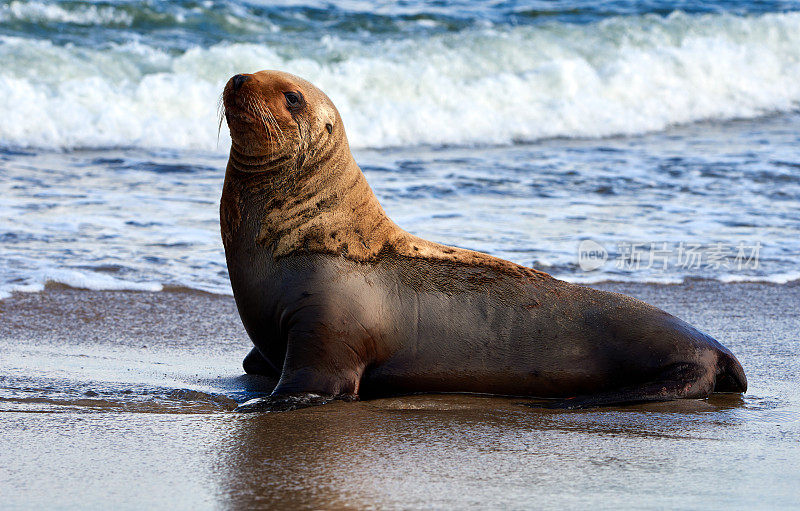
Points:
x=308 y=194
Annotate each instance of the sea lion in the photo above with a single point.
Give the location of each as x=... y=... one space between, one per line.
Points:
x=340 y=302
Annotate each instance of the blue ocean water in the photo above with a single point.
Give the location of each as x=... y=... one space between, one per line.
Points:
x=664 y=132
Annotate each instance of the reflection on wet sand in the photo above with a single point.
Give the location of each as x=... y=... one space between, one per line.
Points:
x=455 y=450
x=118 y=399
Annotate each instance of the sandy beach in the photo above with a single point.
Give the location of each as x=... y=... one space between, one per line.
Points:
x=124 y=398
x=662 y=135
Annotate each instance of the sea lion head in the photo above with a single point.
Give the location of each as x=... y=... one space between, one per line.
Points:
x=278 y=119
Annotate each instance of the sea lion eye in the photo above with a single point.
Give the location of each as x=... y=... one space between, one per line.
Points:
x=293 y=98
x=329 y=127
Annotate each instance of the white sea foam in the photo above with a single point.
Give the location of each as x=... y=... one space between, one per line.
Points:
x=36 y=281
x=619 y=76
x=597 y=278
x=779 y=278
x=41 y=12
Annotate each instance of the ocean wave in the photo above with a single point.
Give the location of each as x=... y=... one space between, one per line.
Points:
x=620 y=76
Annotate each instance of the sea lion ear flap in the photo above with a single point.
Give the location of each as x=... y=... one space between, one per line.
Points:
x=328 y=117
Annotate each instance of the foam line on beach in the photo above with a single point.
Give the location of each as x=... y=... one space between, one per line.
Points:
x=75 y=279
x=98 y=282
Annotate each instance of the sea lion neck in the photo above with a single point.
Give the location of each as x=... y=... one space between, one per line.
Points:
x=329 y=208
x=322 y=207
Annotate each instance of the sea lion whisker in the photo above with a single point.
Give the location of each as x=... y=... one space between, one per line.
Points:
x=267 y=123
x=256 y=109
x=220 y=114
x=277 y=126
x=269 y=118
x=274 y=122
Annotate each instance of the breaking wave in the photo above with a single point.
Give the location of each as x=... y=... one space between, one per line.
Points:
x=483 y=85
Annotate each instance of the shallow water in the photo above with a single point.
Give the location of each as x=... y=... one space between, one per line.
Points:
x=516 y=128
x=125 y=398
x=130 y=219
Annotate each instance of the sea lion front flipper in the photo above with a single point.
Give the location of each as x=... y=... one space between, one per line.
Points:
x=301 y=389
x=323 y=361
x=283 y=403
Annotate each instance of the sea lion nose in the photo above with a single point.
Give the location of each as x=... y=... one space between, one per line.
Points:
x=238 y=80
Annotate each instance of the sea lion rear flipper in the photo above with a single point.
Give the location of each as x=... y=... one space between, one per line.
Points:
x=255 y=363
x=680 y=381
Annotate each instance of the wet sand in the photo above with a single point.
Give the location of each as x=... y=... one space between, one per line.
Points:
x=123 y=399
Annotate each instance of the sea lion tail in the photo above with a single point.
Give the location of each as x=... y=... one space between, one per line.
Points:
x=730 y=374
